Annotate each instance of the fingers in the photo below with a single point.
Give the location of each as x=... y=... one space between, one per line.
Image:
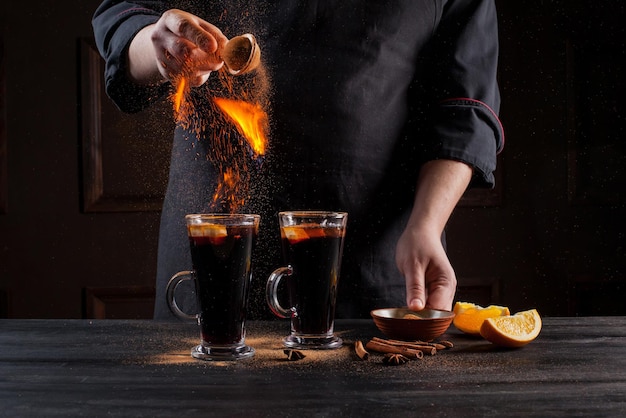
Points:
x=197 y=31
x=415 y=292
x=430 y=279
x=441 y=292
x=432 y=291
x=213 y=43
x=429 y=276
x=187 y=45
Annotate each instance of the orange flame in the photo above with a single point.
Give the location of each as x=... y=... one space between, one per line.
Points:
x=228 y=188
x=250 y=119
x=180 y=94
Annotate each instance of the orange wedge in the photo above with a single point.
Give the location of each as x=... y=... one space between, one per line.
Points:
x=512 y=331
x=316 y=232
x=208 y=230
x=294 y=234
x=469 y=317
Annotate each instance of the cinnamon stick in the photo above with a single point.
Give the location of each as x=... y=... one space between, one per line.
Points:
x=383 y=347
x=360 y=351
x=425 y=348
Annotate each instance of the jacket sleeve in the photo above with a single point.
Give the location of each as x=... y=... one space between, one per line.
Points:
x=463 y=88
x=115 y=23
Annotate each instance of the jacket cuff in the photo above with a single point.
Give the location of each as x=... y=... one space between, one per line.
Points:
x=471 y=132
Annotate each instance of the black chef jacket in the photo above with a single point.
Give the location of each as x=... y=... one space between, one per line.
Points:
x=363 y=93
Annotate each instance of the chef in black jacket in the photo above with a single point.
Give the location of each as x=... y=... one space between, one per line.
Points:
x=384 y=109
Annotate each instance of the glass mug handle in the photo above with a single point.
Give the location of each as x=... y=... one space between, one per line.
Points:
x=172 y=285
x=271 y=292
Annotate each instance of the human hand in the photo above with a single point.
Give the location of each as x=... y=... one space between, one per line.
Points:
x=429 y=276
x=187 y=46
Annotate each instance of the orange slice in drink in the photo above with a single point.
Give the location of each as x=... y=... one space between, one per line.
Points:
x=294 y=233
x=315 y=231
x=512 y=331
x=469 y=317
x=214 y=233
x=208 y=230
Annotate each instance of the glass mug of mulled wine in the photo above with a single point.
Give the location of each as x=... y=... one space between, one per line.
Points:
x=312 y=246
x=221 y=249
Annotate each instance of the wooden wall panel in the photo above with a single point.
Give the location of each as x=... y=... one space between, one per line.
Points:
x=4 y=303
x=596 y=158
x=125 y=158
x=590 y=296
x=4 y=199
x=480 y=290
x=596 y=123
x=128 y=302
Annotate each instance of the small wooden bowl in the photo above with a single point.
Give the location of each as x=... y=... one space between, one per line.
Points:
x=428 y=324
x=242 y=54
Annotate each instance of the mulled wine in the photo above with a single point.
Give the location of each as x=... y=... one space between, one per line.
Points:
x=221 y=260
x=221 y=249
x=312 y=244
x=314 y=254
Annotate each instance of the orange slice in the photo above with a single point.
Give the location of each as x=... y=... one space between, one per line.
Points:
x=469 y=317
x=294 y=234
x=512 y=331
x=316 y=232
x=208 y=230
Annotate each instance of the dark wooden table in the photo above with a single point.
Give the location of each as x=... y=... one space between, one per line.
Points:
x=577 y=367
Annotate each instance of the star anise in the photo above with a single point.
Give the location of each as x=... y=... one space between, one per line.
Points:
x=392 y=359
x=293 y=355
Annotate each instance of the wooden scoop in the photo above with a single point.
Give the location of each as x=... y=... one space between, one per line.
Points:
x=241 y=54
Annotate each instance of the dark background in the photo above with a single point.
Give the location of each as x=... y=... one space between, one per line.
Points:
x=81 y=184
